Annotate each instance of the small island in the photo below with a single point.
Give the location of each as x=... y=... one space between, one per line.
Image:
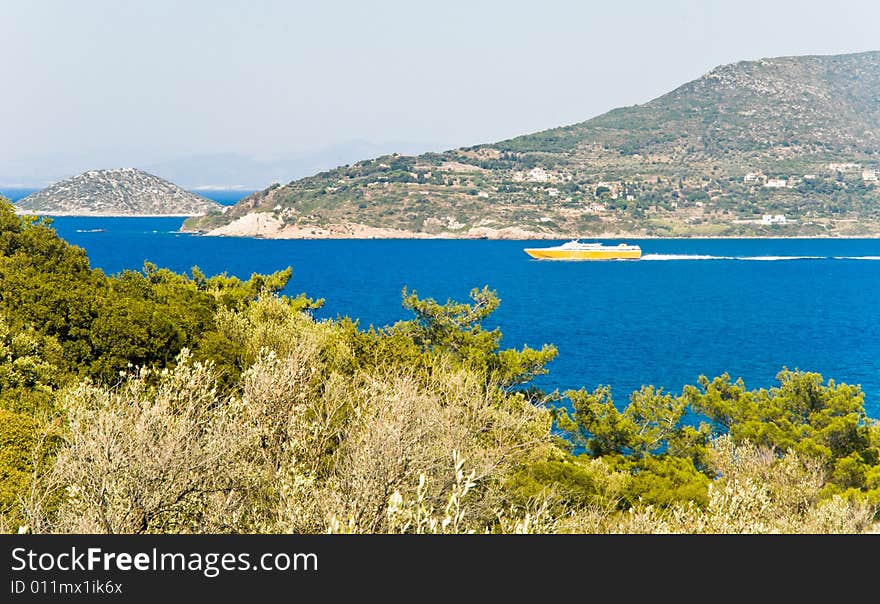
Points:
x=116 y=192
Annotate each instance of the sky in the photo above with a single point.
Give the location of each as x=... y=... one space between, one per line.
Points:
x=100 y=83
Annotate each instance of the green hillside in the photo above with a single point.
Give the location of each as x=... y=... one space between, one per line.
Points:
x=781 y=146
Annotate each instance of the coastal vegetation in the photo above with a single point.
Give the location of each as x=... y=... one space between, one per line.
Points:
x=156 y=402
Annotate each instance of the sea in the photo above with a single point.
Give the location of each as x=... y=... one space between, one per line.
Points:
x=689 y=307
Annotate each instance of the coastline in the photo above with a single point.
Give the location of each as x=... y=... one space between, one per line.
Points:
x=268 y=225
x=547 y=237
x=265 y=225
x=255 y=228
x=101 y=215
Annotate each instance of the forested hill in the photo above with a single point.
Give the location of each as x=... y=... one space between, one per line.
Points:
x=793 y=138
x=117 y=192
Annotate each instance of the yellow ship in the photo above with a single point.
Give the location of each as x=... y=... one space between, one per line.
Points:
x=575 y=250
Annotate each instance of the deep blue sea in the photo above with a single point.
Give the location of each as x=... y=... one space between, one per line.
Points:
x=748 y=307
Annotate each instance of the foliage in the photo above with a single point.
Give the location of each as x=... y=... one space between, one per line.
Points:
x=29 y=370
x=152 y=458
x=27 y=447
x=17 y=439
x=663 y=441
x=455 y=329
x=822 y=421
x=104 y=323
x=154 y=402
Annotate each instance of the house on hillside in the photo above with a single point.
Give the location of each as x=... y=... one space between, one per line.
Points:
x=776 y=183
x=533 y=175
x=773 y=219
x=537 y=175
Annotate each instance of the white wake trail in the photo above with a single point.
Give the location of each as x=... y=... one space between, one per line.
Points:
x=684 y=257
x=748 y=258
x=775 y=258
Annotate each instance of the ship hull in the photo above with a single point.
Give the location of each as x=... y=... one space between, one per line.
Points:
x=551 y=254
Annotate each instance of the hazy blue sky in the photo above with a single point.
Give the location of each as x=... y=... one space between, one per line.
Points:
x=122 y=83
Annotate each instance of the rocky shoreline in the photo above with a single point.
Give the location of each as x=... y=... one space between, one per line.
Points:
x=266 y=226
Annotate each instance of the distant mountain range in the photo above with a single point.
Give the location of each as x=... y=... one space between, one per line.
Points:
x=779 y=146
x=116 y=192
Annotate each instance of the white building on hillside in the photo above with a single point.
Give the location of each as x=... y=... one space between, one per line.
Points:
x=776 y=183
x=538 y=175
x=533 y=175
x=773 y=219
